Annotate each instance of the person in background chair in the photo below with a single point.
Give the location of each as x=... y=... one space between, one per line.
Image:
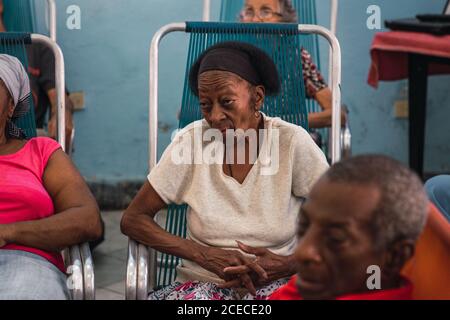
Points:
x=282 y=11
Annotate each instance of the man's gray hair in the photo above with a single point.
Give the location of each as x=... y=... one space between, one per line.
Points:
x=288 y=12
x=402 y=209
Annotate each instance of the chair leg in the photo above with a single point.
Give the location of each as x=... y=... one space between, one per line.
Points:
x=74 y=267
x=132 y=271
x=142 y=276
x=88 y=272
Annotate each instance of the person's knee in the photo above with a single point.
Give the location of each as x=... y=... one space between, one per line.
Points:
x=31 y=280
x=438 y=187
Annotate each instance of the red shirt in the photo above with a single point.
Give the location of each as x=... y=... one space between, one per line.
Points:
x=290 y=292
x=23 y=196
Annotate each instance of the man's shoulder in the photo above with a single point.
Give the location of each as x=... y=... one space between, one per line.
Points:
x=287 y=292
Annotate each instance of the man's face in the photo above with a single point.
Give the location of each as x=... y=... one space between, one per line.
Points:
x=335 y=243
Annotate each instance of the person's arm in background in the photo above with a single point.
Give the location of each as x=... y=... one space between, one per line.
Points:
x=317 y=89
x=76 y=218
x=2 y=25
x=47 y=81
x=52 y=96
x=322 y=119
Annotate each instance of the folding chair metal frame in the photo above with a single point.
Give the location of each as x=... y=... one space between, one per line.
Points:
x=139 y=276
x=77 y=255
x=52 y=19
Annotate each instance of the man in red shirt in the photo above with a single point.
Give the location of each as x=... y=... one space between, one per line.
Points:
x=356 y=231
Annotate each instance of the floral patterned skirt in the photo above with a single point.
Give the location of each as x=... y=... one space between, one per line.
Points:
x=195 y=290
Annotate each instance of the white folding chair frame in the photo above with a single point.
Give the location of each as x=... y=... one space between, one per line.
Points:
x=77 y=255
x=51 y=7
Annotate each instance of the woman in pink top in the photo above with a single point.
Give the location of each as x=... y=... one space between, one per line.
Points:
x=45 y=205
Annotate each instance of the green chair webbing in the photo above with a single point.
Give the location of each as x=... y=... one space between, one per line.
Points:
x=280 y=42
x=175 y=224
x=13 y=43
x=18 y=15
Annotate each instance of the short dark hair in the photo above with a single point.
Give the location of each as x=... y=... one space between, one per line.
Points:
x=288 y=12
x=403 y=205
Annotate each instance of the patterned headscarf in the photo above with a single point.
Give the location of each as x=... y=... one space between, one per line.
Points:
x=16 y=81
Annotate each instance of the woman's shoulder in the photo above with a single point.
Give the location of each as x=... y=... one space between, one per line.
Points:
x=190 y=129
x=287 y=129
x=44 y=142
x=43 y=145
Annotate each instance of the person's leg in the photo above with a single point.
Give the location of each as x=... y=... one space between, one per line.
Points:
x=25 y=276
x=192 y=290
x=264 y=292
x=438 y=189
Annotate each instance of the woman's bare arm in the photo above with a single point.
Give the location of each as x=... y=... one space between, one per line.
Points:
x=76 y=218
x=138 y=223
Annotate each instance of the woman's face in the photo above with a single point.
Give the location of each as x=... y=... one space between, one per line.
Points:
x=261 y=11
x=6 y=106
x=228 y=102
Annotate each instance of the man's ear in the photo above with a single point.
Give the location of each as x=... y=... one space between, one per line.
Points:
x=397 y=255
x=260 y=93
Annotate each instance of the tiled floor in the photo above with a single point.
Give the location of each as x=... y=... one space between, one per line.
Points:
x=110 y=260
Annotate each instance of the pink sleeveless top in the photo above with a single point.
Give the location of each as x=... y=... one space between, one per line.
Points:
x=23 y=196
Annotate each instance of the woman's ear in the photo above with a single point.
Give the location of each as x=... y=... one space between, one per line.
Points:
x=260 y=93
x=10 y=108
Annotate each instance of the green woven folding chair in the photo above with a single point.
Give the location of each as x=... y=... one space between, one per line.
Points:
x=77 y=257
x=148 y=269
x=20 y=16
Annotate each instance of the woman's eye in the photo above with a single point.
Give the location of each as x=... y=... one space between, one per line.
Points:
x=249 y=12
x=204 y=106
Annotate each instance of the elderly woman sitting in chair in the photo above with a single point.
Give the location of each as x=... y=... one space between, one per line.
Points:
x=45 y=206
x=241 y=212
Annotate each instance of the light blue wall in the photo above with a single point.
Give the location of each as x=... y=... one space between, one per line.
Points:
x=108 y=60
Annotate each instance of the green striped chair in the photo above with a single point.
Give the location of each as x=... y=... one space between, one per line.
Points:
x=148 y=269
x=78 y=259
x=20 y=14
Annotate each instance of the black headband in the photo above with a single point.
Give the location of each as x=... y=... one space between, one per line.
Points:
x=243 y=59
x=231 y=60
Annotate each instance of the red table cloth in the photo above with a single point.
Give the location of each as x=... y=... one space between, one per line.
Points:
x=390 y=51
